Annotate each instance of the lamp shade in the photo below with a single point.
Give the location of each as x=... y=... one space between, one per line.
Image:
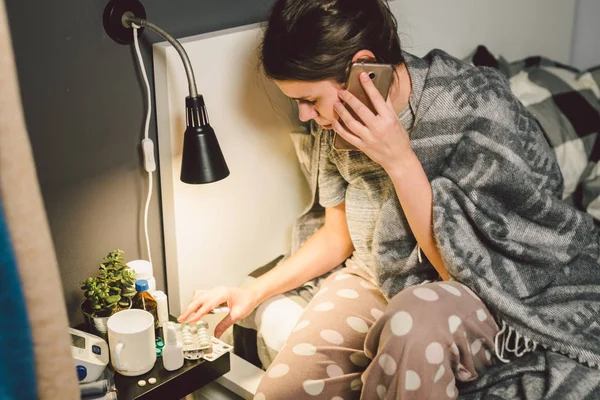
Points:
x=202 y=159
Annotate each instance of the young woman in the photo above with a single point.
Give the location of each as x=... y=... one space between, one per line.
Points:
x=448 y=221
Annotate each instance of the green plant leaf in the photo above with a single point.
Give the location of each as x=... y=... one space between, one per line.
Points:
x=113 y=299
x=113 y=286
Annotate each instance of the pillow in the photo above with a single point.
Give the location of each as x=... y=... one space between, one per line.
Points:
x=590 y=78
x=566 y=103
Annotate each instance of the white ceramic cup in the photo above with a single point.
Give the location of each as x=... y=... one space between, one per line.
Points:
x=131 y=342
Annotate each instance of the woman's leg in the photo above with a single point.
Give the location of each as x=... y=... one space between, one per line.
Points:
x=324 y=356
x=430 y=336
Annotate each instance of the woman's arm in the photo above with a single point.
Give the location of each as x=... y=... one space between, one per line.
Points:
x=322 y=252
x=414 y=192
x=383 y=138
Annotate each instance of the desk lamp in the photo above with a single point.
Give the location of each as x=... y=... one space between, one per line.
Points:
x=202 y=159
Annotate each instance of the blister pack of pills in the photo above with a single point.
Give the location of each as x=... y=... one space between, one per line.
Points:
x=195 y=339
x=219 y=348
x=197 y=343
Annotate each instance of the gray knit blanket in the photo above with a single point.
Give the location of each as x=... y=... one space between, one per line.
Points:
x=504 y=231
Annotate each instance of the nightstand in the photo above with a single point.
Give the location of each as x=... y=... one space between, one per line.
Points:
x=172 y=384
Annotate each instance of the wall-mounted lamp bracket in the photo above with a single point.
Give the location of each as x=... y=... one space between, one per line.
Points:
x=115 y=19
x=202 y=159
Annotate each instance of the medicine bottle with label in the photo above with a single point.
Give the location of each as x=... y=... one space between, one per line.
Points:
x=143 y=300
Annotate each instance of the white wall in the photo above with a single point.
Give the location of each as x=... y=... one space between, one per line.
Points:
x=586 y=34
x=512 y=28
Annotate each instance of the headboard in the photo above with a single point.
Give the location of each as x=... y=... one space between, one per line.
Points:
x=216 y=234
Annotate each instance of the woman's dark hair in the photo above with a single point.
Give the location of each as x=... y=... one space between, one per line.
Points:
x=312 y=40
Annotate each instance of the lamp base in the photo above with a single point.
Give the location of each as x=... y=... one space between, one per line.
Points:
x=113 y=20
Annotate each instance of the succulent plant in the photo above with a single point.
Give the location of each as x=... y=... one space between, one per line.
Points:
x=112 y=289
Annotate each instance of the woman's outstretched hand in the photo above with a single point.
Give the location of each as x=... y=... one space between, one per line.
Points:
x=240 y=301
x=381 y=137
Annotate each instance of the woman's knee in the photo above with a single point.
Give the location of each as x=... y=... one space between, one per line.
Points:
x=433 y=310
x=300 y=380
x=273 y=389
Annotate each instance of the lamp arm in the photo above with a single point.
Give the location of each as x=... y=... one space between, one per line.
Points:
x=127 y=19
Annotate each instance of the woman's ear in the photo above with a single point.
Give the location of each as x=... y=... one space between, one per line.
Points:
x=364 y=55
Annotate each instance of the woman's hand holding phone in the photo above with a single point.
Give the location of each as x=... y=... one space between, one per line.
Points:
x=380 y=136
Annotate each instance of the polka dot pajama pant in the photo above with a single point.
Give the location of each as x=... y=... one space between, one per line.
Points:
x=350 y=343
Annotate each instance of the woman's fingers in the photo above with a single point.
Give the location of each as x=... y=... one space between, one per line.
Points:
x=348 y=136
x=378 y=101
x=202 y=311
x=202 y=304
x=223 y=325
x=361 y=110
x=197 y=300
x=350 y=125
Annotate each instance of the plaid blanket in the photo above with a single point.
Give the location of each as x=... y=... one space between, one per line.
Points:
x=560 y=315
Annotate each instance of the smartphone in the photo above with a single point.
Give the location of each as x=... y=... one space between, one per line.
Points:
x=382 y=76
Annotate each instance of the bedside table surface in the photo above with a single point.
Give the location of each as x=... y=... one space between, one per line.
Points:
x=172 y=384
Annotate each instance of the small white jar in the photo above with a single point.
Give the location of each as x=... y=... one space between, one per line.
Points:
x=143 y=270
x=162 y=307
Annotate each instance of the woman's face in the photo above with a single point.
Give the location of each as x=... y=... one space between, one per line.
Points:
x=315 y=99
